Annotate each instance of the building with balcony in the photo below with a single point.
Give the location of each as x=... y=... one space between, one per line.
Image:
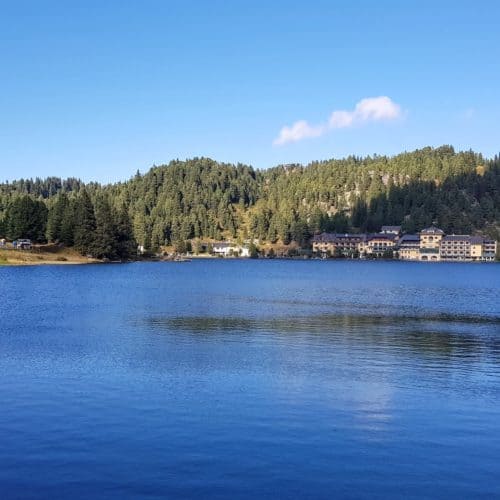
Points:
x=409 y=247
x=379 y=244
x=490 y=248
x=431 y=244
x=324 y=244
x=336 y=244
x=462 y=247
x=456 y=247
x=431 y=237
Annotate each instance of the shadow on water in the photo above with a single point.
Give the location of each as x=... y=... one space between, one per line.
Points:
x=445 y=335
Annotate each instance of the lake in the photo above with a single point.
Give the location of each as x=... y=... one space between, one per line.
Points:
x=250 y=379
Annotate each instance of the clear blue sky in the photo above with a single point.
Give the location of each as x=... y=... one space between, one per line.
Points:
x=99 y=89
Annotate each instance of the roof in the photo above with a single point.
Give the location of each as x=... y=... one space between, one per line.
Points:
x=432 y=230
x=324 y=237
x=334 y=237
x=456 y=237
x=477 y=240
x=381 y=236
x=406 y=238
x=391 y=229
x=350 y=236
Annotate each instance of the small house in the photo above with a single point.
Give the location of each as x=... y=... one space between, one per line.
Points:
x=226 y=249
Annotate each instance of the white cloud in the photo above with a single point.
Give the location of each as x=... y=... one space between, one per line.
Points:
x=376 y=109
x=341 y=119
x=370 y=109
x=298 y=131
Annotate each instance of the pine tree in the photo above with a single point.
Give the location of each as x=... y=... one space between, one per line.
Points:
x=105 y=243
x=359 y=215
x=67 y=231
x=126 y=244
x=26 y=218
x=55 y=217
x=85 y=224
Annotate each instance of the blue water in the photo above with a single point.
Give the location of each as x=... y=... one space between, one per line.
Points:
x=250 y=379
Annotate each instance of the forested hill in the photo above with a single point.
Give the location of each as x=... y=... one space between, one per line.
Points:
x=200 y=198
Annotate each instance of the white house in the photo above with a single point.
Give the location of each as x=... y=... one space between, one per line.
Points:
x=225 y=249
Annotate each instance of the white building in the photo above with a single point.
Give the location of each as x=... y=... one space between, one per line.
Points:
x=225 y=249
x=396 y=230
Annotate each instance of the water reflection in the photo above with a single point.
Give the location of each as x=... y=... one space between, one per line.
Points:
x=443 y=335
x=357 y=361
x=373 y=408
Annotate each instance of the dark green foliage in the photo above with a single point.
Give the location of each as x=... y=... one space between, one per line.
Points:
x=359 y=217
x=41 y=188
x=26 y=218
x=203 y=200
x=67 y=229
x=299 y=232
x=57 y=212
x=185 y=200
x=105 y=241
x=253 y=251
x=180 y=246
x=85 y=224
x=126 y=245
x=459 y=191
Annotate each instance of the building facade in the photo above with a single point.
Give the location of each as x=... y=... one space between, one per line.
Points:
x=324 y=244
x=226 y=249
x=409 y=247
x=490 y=248
x=431 y=244
x=456 y=247
x=379 y=244
x=334 y=244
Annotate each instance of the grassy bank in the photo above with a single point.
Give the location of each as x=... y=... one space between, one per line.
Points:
x=43 y=254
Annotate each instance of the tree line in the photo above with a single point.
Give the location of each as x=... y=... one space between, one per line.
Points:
x=93 y=228
x=201 y=198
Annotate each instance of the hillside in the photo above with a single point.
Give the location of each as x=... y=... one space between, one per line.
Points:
x=201 y=198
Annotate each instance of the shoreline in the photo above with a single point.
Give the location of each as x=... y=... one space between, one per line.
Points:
x=20 y=263
x=42 y=256
x=63 y=257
